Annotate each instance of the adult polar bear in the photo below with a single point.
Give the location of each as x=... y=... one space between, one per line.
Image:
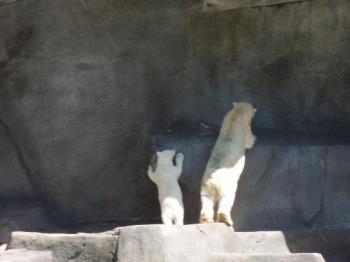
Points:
x=166 y=176
x=226 y=163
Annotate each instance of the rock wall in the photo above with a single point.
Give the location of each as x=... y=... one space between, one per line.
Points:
x=81 y=85
x=291 y=61
x=85 y=84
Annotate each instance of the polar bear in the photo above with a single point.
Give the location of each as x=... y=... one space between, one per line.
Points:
x=226 y=163
x=166 y=176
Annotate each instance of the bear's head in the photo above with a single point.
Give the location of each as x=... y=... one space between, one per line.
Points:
x=165 y=158
x=247 y=112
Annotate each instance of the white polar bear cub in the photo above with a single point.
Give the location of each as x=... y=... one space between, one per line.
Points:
x=226 y=163
x=166 y=176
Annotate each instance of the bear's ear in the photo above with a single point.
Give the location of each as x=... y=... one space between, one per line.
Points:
x=255 y=110
x=234 y=104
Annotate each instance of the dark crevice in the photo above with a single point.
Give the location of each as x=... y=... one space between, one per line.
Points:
x=225 y=5
x=266 y=171
x=19 y=154
x=7 y=2
x=115 y=253
x=317 y=215
x=75 y=255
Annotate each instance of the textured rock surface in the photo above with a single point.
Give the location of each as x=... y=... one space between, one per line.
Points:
x=294 y=188
x=75 y=247
x=272 y=57
x=84 y=84
x=267 y=258
x=22 y=255
x=12 y=171
x=78 y=85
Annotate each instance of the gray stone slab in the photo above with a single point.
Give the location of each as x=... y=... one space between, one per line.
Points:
x=68 y=247
x=159 y=243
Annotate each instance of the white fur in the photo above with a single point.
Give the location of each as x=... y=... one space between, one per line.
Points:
x=226 y=164
x=166 y=176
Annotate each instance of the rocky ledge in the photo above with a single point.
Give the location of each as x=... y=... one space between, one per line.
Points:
x=190 y=243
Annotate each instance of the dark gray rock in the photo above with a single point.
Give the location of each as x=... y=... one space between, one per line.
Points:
x=333 y=244
x=294 y=188
x=23 y=215
x=267 y=258
x=272 y=57
x=69 y=247
x=78 y=98
x=12 y=169
x=23 y=255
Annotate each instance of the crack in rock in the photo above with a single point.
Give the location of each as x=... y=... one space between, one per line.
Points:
x=222 y=5
x=19 y=153
x=6 y=2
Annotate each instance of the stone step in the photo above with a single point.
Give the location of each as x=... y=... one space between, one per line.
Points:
x=79 y=247
x=190 y=243
x=23 y=255
x=306 y=257
x=157 y=243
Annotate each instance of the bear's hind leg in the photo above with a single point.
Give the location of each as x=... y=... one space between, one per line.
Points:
x=179 y=220
x=224 y=210
x=166 y=220
x=207 y=211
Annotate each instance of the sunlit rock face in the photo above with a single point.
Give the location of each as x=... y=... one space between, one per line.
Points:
x=84 y=85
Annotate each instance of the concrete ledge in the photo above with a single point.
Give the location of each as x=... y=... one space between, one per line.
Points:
x=159 y=243
x=192 y=243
